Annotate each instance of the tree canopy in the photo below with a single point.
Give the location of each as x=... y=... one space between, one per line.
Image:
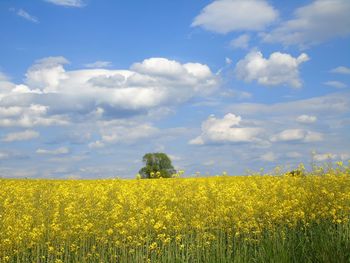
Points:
x=157 y=165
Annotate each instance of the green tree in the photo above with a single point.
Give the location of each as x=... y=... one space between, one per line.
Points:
x=157 y=165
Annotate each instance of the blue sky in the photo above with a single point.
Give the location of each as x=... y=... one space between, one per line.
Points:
x=88 y=87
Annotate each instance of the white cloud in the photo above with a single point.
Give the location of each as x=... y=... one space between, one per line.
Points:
x=335 y=84
x=289 y=135
x=29 y=116
x=96 y=93
x=21 y=136
x=67 y=3
x=99 y=64
x=223 y=16
x=225 y=130
x=159 y=67
x=197 y=141
x=314 y=23
x=26 y=121
x=46 y=74
x=165 y=68
x=21 y=88
x=296 y=135
x=322 y=157
x=10 y=111
x=306 y=119
x=268 y=157
x=150 y=83
x=341 y=70
x=5 y=85
x=278 y=69
x=123 y=131
x=24 y=14
x=58 y=151
x=240 y=42
x=331 y=104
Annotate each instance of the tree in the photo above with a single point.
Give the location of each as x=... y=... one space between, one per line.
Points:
x=157 y=165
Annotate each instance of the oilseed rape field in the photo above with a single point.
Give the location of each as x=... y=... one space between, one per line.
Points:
x=260 y=218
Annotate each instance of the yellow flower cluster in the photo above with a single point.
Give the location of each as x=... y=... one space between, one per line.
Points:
x=107 y=220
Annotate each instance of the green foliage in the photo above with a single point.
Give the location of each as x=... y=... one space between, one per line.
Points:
x=157 y=165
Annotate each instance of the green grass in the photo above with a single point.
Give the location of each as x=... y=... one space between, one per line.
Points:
x=323 y=242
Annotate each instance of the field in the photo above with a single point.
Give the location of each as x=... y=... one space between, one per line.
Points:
x=259 y=218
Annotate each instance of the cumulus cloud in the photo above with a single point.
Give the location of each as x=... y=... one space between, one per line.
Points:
x=306 y=119
x=21 y=136
x=67 y=3
x=29 y=116
x=314 y=23
x=240 y=42
x=99 y=64
x=159 y=66
x=152 y=83
x=278 y=69
x=335 y=84
x=223 y=16
x=97 y=93
x=225 y=130
x=341 y=70
x=58 y=151
x=295 y=126
x=296 y=135
x=46 y=74
x=196 y=74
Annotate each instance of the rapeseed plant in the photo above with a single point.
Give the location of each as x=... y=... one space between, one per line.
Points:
x=215 y=219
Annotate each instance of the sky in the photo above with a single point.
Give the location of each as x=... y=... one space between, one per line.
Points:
x=88 y=87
